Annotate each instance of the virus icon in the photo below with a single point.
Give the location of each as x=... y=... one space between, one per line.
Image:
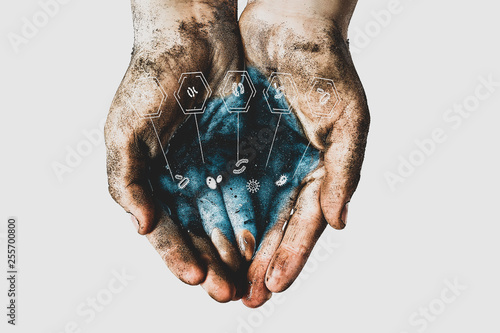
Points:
x=282 y=181
x=253 y=186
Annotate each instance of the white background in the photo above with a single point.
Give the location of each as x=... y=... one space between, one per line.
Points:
x=400 y=246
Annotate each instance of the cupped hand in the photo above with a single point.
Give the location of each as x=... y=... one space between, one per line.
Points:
x=234 y=168
x=171 y=38
x=332 y=110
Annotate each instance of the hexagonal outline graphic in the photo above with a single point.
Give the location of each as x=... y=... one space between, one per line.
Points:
x=157 y=114
x=336 y=93
x=223 y=89
x=207 y=87
x=290 y=103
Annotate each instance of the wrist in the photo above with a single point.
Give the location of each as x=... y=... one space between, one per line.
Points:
x=158 y=23
x=332 y=12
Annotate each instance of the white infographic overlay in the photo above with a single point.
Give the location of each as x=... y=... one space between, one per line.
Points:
x=144 y=101
x=193 y=93
x=283 y=93
x=192 y=96
x=237 y=91
x=322 y=98
x=239 y=85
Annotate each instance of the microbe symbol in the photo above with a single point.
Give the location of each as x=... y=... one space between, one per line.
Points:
x=282 y=181
x=238 y=89
x=183 y=181
x=253 y=186
x=212 y=183
x=280 y=91
x=243 y=168
x=192 y=92
x=325 y=97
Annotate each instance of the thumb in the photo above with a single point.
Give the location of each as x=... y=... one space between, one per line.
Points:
x=140 y=205
x=128 y=182
x=343 y=159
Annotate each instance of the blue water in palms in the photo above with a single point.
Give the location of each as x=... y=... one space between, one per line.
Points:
x=207 y=192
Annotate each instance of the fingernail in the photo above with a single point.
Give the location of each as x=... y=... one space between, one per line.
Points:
x=226 y=250
x=246 y=242
x=344 y=214
x=135 y=222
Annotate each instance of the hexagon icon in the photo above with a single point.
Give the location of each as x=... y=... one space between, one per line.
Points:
x=237 y=91
x=148 y=98
x=322 y=97
x=281 y=93
x=193 y=93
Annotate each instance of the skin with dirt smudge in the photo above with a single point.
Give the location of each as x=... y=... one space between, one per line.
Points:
x=170 y=38
x=308 y=39
x=183 y=36
x=229 y=209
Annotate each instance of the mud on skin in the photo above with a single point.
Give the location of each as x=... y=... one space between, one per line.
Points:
x=201 y=209
x=169 y=37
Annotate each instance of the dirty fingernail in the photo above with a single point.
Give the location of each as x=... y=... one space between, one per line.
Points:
x=135 y=222
x=246 y=242
x=226 y=250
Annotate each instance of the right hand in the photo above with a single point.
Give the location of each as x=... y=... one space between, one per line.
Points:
x=171 y=38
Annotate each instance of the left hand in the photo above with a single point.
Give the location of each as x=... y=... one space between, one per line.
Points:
x=336 y=124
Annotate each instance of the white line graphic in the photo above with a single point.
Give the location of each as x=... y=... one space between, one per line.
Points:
x=161 y=147
x=274 y=139
x=199 y=138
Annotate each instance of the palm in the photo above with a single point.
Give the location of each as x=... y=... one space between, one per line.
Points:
x=333 y=112
x=171 y=40
x=206 y=180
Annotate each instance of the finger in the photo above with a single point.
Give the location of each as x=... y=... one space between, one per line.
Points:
x=218 y=282
x=343 y=159
x=302 y=232
x=241 y=214
x=180 y=196
x=190 y=219
x=128 y=182
x=278 y=216
x=172 y=245
x=187 y=215
x=217 y=225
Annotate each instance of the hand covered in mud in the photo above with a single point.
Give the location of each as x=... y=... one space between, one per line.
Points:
x=228 y=171
x=308 y=42
x=171 y=38
x=234 y=168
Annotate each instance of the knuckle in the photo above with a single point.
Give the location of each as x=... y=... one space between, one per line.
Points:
x=113 y=193
x=337 y=224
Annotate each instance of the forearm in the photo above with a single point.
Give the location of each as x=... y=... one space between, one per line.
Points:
x=340 y=11
x=157 y=21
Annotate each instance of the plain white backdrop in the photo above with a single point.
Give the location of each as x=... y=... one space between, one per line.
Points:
x=394 y=269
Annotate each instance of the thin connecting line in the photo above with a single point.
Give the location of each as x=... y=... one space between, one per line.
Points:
x=238 y=138
x=199 y=138
x=274 y=139
x=303 y=155
x=161 y=147
x=305 y=150
x=238 y=131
